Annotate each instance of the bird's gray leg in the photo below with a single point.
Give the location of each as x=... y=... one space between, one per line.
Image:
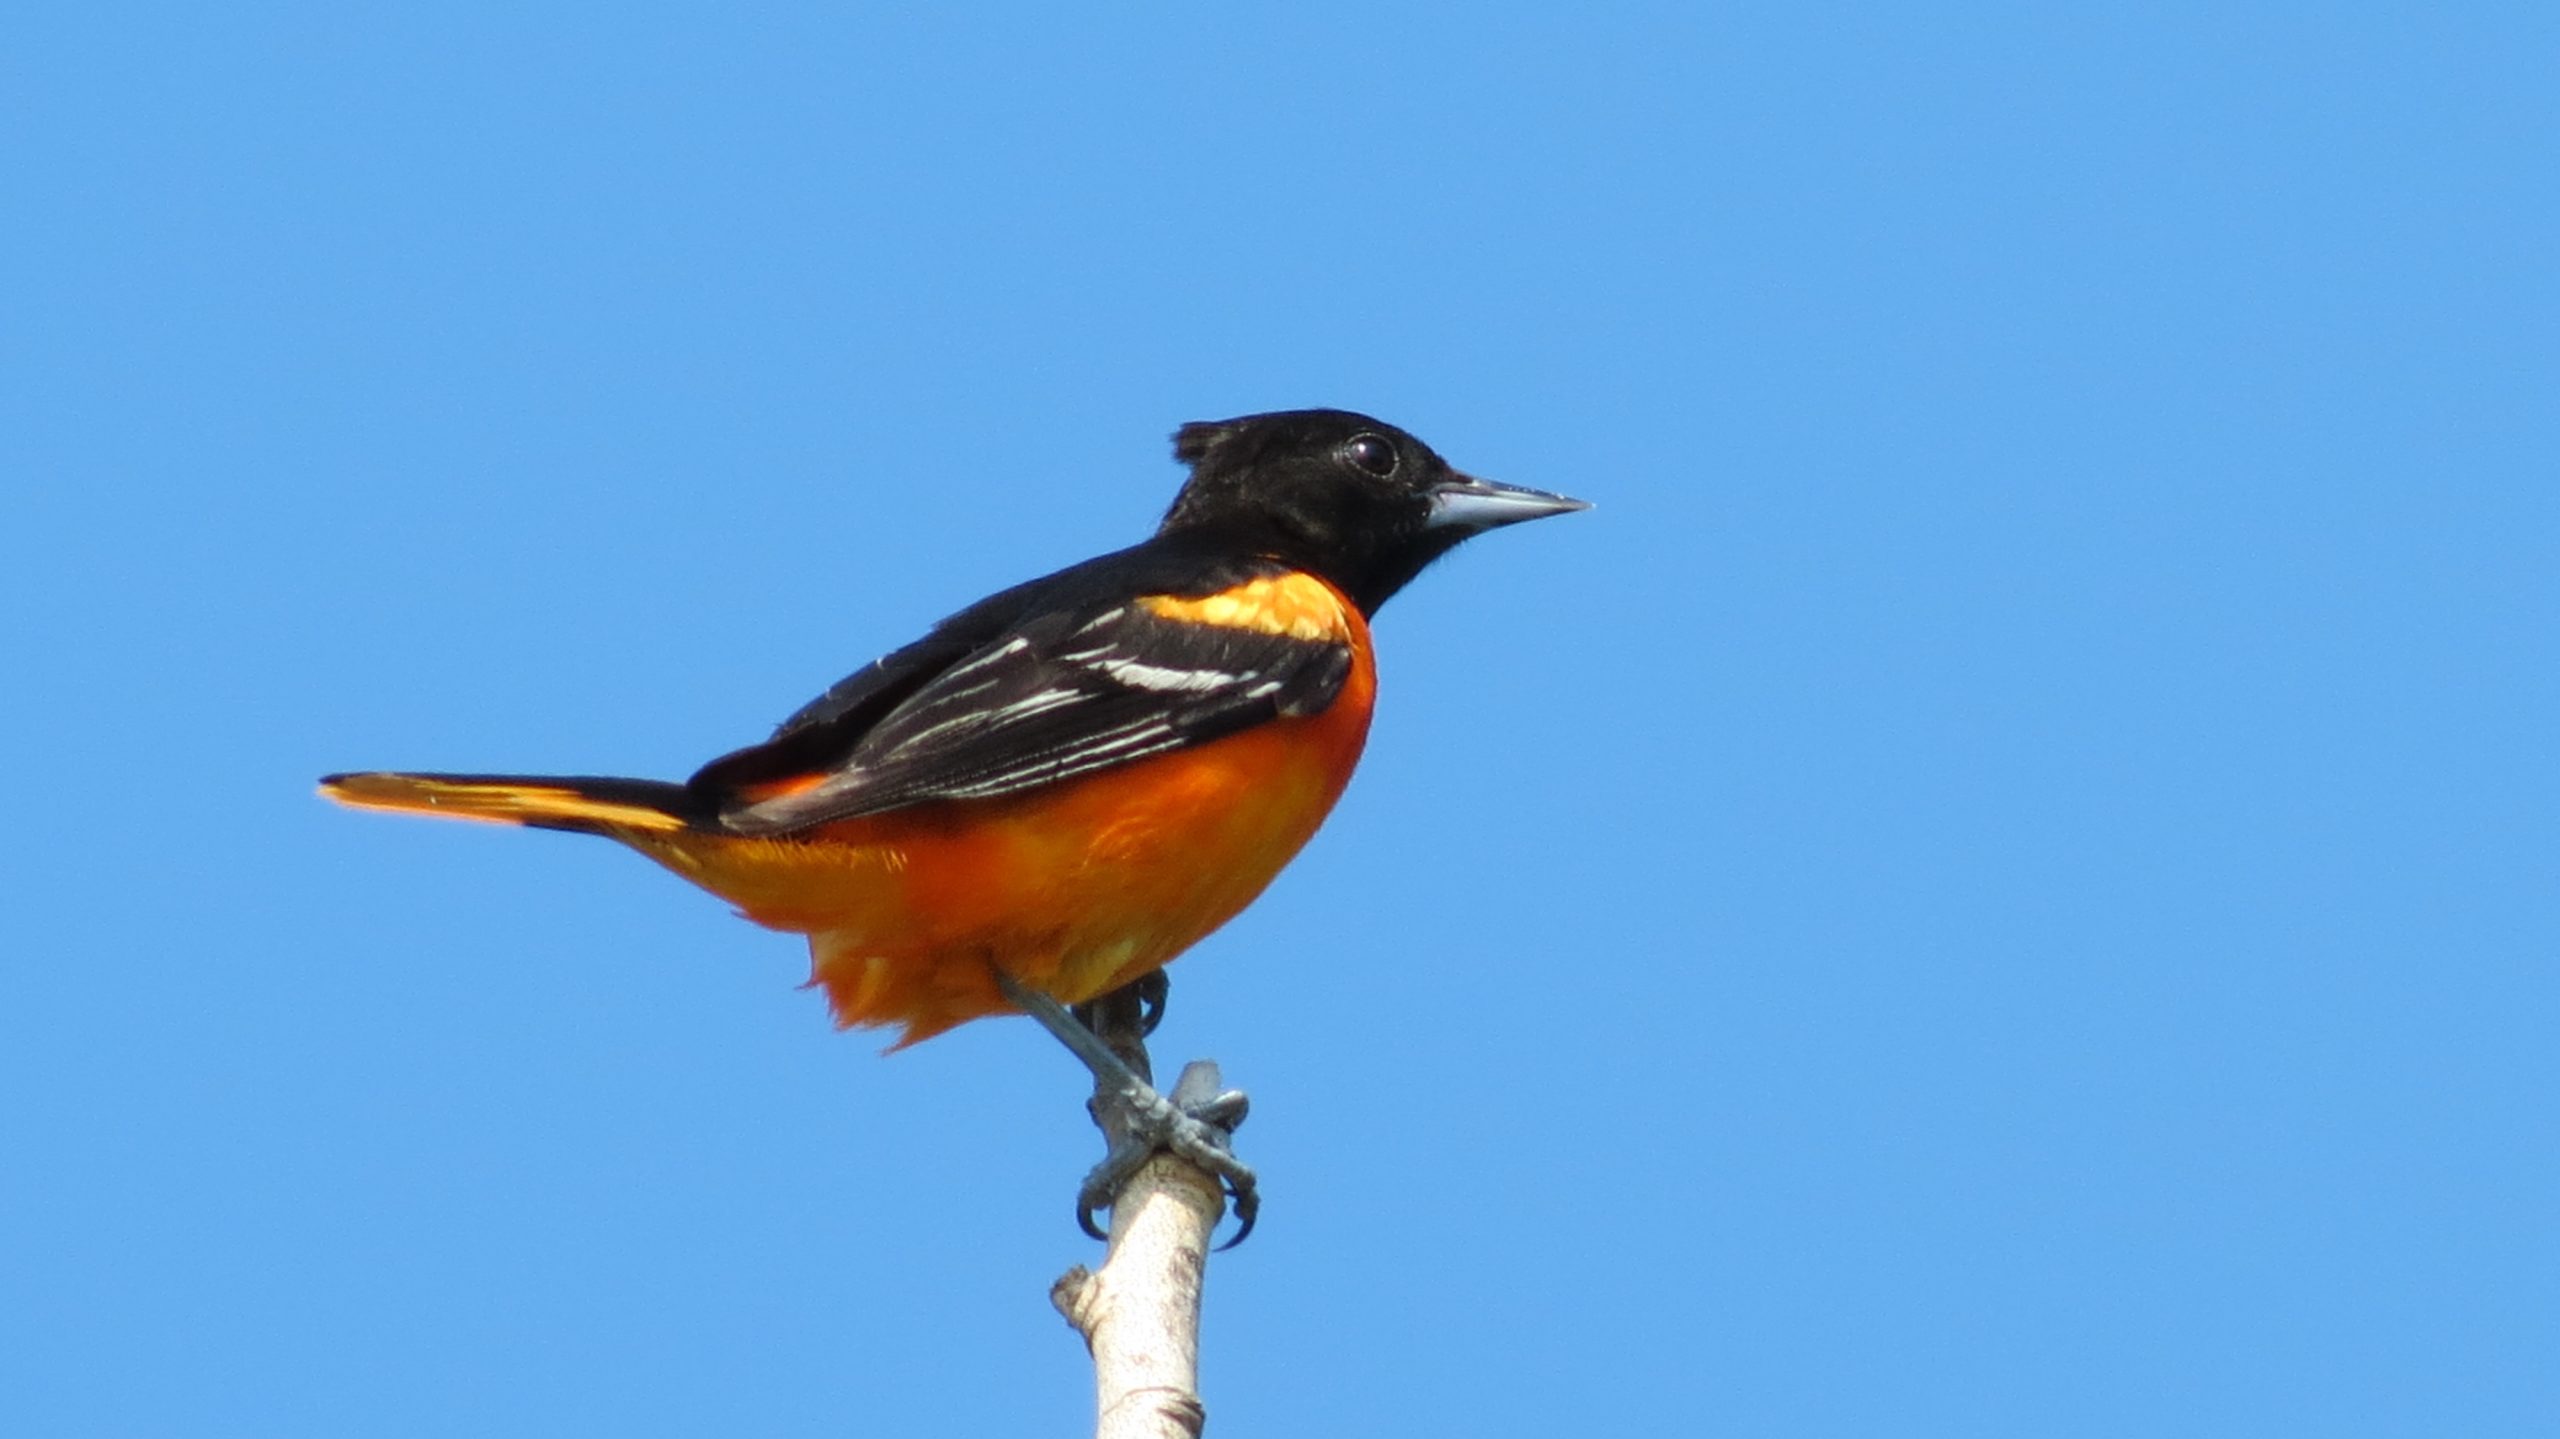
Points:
x=1198 y=1124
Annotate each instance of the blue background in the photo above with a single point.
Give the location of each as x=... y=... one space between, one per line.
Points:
x=2002 y=883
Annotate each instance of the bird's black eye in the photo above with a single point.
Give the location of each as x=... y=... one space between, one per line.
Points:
x=1370 y=454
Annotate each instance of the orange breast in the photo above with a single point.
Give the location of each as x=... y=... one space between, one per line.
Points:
x=1076 y=888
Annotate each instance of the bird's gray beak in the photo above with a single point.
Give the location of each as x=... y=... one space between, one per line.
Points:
x=1467 y=504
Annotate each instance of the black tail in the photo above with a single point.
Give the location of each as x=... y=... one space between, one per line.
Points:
x=587 y=804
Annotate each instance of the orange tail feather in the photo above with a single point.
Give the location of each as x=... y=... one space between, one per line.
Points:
x=590 y=804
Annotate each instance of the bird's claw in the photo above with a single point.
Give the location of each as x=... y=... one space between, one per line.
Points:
x=1147 y=994
x=1154 y=991
x=1197 y=1125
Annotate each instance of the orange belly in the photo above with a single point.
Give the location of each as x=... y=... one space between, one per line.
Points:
x=1075 y=889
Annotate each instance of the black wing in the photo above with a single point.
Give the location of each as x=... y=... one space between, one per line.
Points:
x=1060 y=691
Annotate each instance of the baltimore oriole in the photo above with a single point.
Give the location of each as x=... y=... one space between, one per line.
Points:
x=1065 y=785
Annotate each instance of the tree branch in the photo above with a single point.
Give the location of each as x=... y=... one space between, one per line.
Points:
x=1140 y=1315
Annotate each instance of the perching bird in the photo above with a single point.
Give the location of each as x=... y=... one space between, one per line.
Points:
x=1065 y=785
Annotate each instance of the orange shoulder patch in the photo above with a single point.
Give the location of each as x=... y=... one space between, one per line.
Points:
x=1295 y=604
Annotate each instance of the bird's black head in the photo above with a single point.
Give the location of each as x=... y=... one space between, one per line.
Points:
x=1352 y=499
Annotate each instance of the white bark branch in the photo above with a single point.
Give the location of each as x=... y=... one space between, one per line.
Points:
x=1140 y=1316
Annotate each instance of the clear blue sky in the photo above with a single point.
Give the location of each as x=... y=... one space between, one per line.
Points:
x=2001 y=884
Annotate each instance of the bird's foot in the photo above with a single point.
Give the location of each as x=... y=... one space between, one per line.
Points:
x=1197 y=1124
x=1141 y=1002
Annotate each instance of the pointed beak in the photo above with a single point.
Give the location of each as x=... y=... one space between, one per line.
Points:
x=1467 y=504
